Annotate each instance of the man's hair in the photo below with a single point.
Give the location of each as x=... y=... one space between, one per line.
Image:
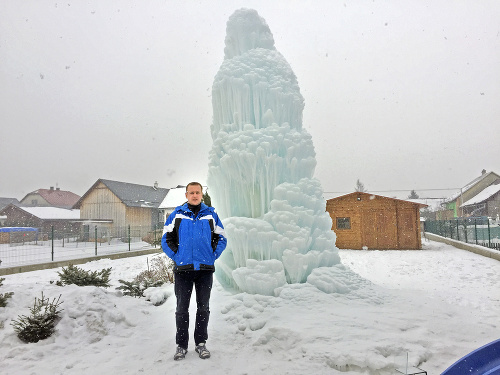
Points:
x=194 y=183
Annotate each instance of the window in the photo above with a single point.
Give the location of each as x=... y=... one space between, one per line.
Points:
x=343 y=223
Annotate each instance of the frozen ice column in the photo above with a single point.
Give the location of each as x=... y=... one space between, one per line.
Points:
x=261 y=166
x=257 y=121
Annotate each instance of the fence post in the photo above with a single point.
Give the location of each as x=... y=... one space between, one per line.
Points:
x=52 y=230
x=129 y=237
x=95 y=240
x=458 y=233
x=465 y=230
x=475 y=230
x=489 y=233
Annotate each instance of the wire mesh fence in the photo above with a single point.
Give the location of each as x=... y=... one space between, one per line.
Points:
x=21 y=246
x=475 y=230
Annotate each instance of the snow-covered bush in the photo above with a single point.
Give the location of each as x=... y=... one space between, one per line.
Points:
x=80 y=277
x=4 y=296
x=136 y=288
x=160 y=272
x=41 y=323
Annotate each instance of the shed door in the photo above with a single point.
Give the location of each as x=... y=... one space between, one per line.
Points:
x=377 y=230
x=407 y=230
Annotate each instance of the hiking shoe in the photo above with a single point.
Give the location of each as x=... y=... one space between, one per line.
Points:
x=202 y=351
x=180 y=353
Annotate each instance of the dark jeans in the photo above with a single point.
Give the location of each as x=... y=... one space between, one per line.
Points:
x=184 y=281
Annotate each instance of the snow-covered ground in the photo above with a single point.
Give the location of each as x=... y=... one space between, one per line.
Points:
x=436 y=305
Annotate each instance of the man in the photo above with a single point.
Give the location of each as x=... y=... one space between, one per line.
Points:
x=193 y=238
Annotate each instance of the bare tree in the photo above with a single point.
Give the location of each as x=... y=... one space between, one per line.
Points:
x=360 y=186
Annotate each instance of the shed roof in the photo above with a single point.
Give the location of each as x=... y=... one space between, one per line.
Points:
x=131 y=195
x=373 y=196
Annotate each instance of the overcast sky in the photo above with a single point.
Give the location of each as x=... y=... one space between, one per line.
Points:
x=399 y=94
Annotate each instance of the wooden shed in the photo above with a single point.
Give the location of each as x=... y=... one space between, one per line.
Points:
x=368 y=221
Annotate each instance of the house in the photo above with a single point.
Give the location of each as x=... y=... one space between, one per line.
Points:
x=4 y=202
x=50 y=198
x=43 y=218
x=486 y=203
x=453 y=205
x=368 y=221
x=175 y=197
x=117 y=205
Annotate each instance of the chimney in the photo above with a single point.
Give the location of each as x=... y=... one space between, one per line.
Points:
x=58 y=188
x=155 y=186
x=51 y=188
x=483 y=172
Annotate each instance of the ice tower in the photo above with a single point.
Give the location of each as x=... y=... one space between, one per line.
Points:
x=261 y=167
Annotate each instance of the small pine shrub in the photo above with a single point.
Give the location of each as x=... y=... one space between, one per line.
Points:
x=4 y=296
x=161 y=272
x=136 y=288
x=41 y=323
x=80 y=277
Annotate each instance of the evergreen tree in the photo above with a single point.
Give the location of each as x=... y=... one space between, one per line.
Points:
x=75 y=275
x=4 y=296
x=41 y=323
x=413 y=195
x=206 y=199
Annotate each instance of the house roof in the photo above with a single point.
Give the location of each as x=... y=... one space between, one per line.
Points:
x=49 y=213
x=4 y=202
x=131 y=195
x=57 y=197
x=483 y=195
x=174 y=198
x=470 y=185
x=434 y=204
x=373 y=196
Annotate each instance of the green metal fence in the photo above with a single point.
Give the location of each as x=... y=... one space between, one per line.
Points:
x=41 y=246
x=476 y=230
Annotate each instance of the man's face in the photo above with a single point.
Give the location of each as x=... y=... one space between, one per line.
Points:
x=194 y=195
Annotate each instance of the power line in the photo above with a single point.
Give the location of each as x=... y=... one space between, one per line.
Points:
x=389 y=191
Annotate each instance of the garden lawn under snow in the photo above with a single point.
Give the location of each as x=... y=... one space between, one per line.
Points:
x=436 y=305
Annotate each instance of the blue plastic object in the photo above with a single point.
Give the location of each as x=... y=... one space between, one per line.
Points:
x=482 y=361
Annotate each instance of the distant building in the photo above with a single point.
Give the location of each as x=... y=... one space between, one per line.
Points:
x=4 y=202
x=368 y=221
x=175 y=197
x=43 y=218
x=486 y=203
x=117 y=204
x=453 y=205
x=50 y=198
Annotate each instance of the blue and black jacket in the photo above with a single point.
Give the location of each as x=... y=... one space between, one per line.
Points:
x=192 y=241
